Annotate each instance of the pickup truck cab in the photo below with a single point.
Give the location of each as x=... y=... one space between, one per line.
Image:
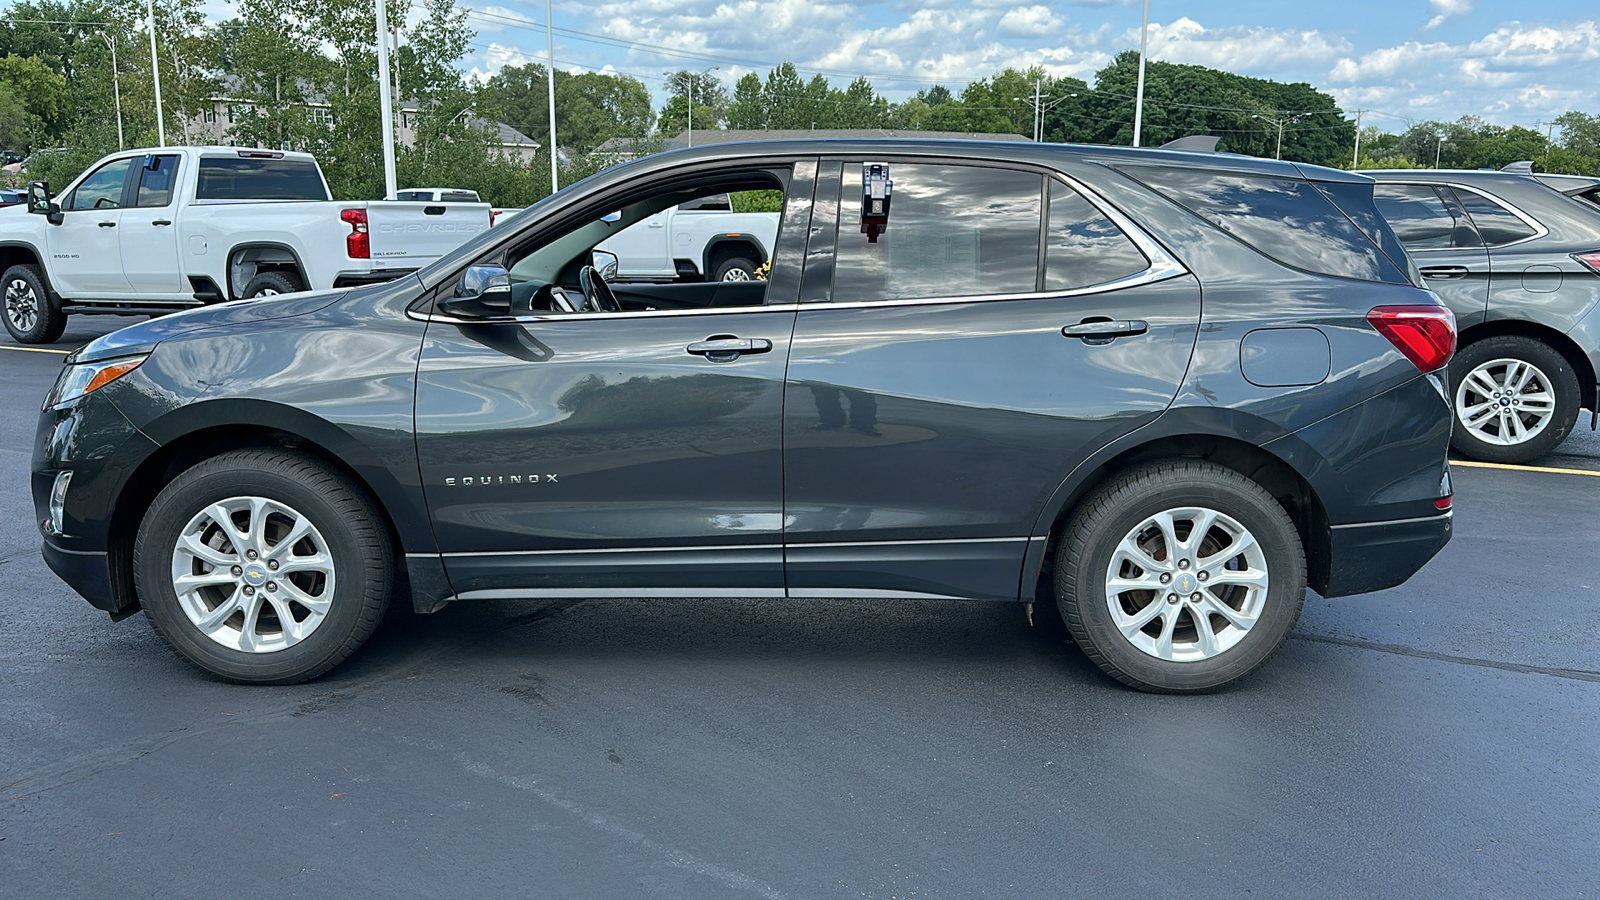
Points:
x=698 y=240
x=157 y=230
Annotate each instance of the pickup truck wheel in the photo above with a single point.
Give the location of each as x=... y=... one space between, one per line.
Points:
x=30 y=316
x=1180 y=577
x=269 y=284
x=1516 y=399
x=736 y=269
x=263 y=566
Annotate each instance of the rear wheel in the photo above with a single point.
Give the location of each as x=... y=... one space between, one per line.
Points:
x=263 y=567
x=1515 y=399
x=30 y=315
x=269 y=284
x=736 y=269
x=1180 y=577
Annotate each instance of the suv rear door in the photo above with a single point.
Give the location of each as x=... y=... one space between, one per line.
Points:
x=933 y=402
x=1442 y=240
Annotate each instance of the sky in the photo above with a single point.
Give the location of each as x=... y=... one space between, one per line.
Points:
x=1401 y=61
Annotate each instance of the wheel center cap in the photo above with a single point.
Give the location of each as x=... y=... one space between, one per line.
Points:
x=1186 y=583
x=255 y=575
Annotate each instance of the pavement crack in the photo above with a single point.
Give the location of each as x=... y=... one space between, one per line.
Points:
x=1401 y=650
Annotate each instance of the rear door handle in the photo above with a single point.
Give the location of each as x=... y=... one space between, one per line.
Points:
x=162 y=222
x=1444 y=273
x=1103 y=331
x=722 y=349
x=108 y=224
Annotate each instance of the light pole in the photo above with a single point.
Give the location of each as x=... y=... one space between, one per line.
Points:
x=1138 y=97
x=691 y=100
x=1286 y=120
x=155 y=69
x=1438 y=151
x=1355 y=158
x=116 y=84
x=385 y=102
x=550 y=70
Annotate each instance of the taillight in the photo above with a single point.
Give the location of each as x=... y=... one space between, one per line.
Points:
x=1442 y=503
x=1590 y=259
x=1425 y=334
x=357 y=245
x=493 y=214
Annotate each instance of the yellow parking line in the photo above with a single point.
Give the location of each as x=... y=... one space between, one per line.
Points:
x=34 y=349
x=1484 y=465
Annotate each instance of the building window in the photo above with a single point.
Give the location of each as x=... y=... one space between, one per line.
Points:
x=210 y=115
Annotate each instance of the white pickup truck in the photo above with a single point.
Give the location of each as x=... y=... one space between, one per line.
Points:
x=699 y=240
x=152 y=231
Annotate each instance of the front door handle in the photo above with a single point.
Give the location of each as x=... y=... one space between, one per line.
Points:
x=1100 y=330
x=108 y=224
x=162 y=222
x=1444 y=273
x=723 y=349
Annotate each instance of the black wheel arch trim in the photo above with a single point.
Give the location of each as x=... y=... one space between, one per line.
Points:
x=38 y=262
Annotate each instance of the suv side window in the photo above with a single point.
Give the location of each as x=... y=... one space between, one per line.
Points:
x=103 y=189
x=1498 y=225
x=1083 y=247
x=1282 y=218
x=1422 y=218
x=954 y=231
x=156 y=184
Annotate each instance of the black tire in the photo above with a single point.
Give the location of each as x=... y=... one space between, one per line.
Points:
x=1554 y=368
x=349 y=523
x=1097 y=527
x=269 y=283
x=737 y=263
x=31 y=316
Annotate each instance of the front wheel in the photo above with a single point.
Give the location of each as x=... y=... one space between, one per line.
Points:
x=30 y=316
x=1515 y=398
x=1180 y=577
x=263 y=567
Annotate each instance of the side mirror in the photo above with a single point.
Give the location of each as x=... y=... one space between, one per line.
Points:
x=605 y=263
x=611 y=218
x=39 y=202
x=489 y=284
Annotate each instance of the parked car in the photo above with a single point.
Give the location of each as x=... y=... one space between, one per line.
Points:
x=1006 y=387
x=12 y=198
x=1519 y=263
x=152 y=231
x=438 y=195
x=1580 y=187
x=18 y=167
x=700 y=240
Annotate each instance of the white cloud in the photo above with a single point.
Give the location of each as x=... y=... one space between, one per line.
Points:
x=1444 y=9
x=1244 y=49
x=1030 y=21
x=1388 y=61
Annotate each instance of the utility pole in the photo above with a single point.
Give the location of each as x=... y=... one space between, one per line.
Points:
x=155 y=69
x=550 y=50
x=116 y=85
x=1138 y=100
x=1355 y=158
x=385 y=101
x=1438 y=151
x=1038 y=112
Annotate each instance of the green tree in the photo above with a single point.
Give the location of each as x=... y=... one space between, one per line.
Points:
x=710 y=102
x=748 y=109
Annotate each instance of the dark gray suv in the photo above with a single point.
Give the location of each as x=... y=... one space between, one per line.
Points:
x=1519 y=263
x=1161 y=392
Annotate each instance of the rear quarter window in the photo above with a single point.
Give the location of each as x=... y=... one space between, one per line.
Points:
x=241 y=178
x=1498 y=225
x=1285 y=219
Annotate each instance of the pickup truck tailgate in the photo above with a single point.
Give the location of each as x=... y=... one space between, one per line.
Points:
x=411 y=234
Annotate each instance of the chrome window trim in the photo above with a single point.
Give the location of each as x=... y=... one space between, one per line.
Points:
x=1537 y=226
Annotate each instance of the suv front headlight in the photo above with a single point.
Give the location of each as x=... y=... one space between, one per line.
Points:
x=85 y=378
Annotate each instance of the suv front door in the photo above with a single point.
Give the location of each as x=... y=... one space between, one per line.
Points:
x=933 y=402
x=611 y=453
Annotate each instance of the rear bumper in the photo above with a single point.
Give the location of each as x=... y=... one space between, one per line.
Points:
x=1372 y=556
x=361 y=279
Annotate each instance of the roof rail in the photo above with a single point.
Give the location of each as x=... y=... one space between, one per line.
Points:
x=1202 y=143
x=1523 y=167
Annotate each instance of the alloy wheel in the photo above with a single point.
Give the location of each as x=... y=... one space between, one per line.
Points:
x=1187 y=584
x=253 y=574
x=1505 y=401
x=22 y=305
x=736 y=275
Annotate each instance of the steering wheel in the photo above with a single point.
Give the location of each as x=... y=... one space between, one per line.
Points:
x=597 y=292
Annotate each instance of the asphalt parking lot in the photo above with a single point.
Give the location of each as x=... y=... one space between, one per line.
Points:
x=1436 y=740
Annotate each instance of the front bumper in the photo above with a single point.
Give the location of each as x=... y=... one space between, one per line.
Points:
x=1372 y=556
x=89 y=573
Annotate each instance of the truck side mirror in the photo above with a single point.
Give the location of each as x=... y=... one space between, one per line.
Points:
x=39 y=202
